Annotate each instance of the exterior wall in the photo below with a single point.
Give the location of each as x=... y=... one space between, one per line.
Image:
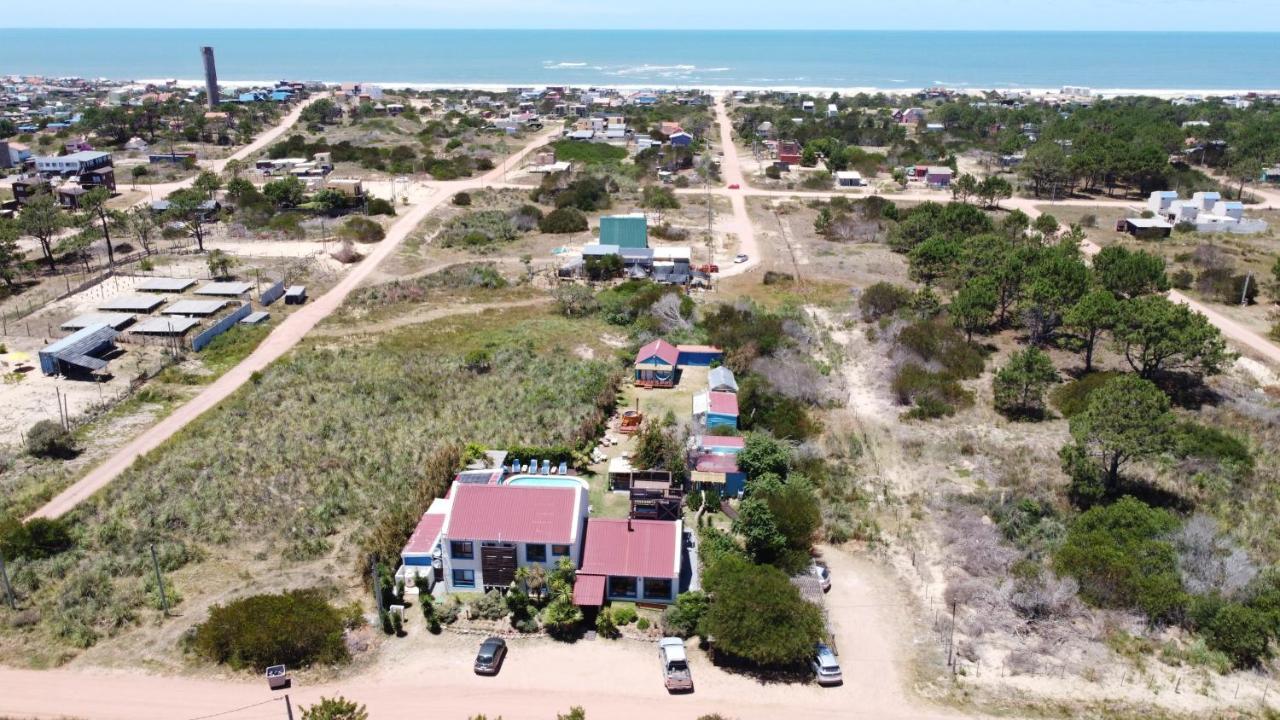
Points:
x=640 y=594
x=451 y=563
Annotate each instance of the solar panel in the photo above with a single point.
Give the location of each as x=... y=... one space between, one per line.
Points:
x=166 y=285
x=132 y=303
x=164 y=326
x=225 y=289
x=194 y=307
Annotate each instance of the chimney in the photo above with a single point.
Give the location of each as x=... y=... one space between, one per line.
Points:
x=210 y=77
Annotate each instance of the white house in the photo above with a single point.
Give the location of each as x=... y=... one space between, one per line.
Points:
x=1207 y=211
x=1160 y=201
x=833 y=110
x=491 y=530
x=808 y=106
x=849 y=178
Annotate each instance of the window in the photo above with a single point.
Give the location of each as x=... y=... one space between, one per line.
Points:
x=462 y=550
x=560 y=550
x=464 y=578
x=657 y=588
x=622 y=587
x=535 y=553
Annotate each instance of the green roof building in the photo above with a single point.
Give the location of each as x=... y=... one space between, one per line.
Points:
x=625 y=231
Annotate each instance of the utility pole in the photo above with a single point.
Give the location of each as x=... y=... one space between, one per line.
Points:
x=8 y=589
x=288 y=706
x=951 y=644
x=1244 y=294
x=155 y=562
x=377 y=587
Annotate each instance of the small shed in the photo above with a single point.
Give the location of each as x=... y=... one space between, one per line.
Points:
x=625 y=231
x=255 y=318
x=656 y=365
x=849 y=178
x=716 y=409
x=721 y=380
x=132 y=304
x=81 y=350
x=1146 y=227
x=698 y=355
x=720 y=471
x=938 y=177
x=295 y=295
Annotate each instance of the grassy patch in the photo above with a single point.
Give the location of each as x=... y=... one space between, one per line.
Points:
x=1072 y=398
x=588 y=153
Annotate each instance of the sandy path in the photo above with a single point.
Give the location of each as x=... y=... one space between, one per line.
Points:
x=281 y=340
x=740 y=223
x=611 y=680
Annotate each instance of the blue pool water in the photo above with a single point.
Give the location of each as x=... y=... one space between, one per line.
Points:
x=545 y=481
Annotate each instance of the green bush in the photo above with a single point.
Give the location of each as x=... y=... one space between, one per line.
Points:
x=478 y=229
x=588 y=153
x=336 y=708
x=642 y=624
x=757 y=615
x=47 y=439
x=883 y=299
x=488 y=606
x=564 y=220
x=1193 y=440
x=462 y=199
x=362 y=230
x=1072 y=398
x=683 y=618
x=1122 y=558
x=606 y=626
x=36 y=539
x=934 y=394
x=1242 y=632
x=625 y=614
x=298 y=628
x=380 y=206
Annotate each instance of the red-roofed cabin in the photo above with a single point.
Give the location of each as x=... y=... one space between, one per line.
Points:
x=492 y=530
x=789 y=153
x=716 y=409
x=630 y=560
x=719 y=471
x=656 y=365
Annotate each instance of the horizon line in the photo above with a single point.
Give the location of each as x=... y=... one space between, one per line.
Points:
x=672 y=30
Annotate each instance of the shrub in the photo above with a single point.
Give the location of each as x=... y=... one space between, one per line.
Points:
x=757 y=614
x=477 y=229
x=883 y=298
x=1122 y=558
x=1072 y=398
x=338 y=708
x=1019 y=386
x=297 y=628
x=642 y=624
x=564 y=220
x=1182 y=279
x=36 y=539
x=625 y=614
x=488 y=606
x=1242 y=632
x=606 y=626
x=47 y=439
x=683 y=618
x=462 y=199
x=362 y=230
x=379 y=206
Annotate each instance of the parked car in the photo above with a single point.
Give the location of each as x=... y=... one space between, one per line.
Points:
x=823 y=573
x=492 y=652
x=825 y=666
x=675 y=665
x=708 y=268
x=740 y=258
x=735 y=186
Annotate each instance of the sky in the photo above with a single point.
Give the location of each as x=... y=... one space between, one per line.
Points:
x=1149 y=15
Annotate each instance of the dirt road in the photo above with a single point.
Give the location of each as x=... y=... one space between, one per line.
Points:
x=740 y=222
x=611 y=680
x=288 y=334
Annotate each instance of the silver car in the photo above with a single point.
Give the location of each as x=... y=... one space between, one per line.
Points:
x=825 y=666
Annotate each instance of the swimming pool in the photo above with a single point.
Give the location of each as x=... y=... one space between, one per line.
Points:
x=546 y=481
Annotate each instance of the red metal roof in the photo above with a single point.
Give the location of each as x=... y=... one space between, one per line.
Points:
x=723 y=441
x=636 y=548
x=513 y=514
x=726 y=464
x=723 y=403
x=424 y=536
x=662 y=349
x=588 y=590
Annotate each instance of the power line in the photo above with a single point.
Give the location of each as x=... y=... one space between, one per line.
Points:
x=236 y=710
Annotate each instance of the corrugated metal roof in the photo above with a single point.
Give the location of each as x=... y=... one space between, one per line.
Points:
x=132 y=303
x=631 y=548
x=114 y=320
x=254 y=318
x=660 y=349
x=588 y=590
x=722 y=377
x=723 y=441
x=166 y=285
x=625 y=231
x=716 y=464
x=75 y=348
x=424 y=537
x=226 y=289
x=164 y=326
x=194 y=307
x=723 y=403
x=513 y=514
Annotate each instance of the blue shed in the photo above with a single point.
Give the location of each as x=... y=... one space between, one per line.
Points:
x=81 y=349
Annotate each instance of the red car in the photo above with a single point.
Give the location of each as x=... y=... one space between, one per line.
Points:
x=712 y=268
x=735 y=186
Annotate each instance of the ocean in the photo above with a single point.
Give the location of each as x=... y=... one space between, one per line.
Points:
x=654 y=58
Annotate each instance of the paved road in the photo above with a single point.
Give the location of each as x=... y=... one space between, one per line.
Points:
x=286 y=335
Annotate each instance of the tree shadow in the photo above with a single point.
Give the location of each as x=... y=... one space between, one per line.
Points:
x=1188 y=390
x=797 y=674
x=1151 y=495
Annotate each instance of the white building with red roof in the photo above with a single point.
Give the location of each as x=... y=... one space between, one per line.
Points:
x=629 y=560
x=492 y=530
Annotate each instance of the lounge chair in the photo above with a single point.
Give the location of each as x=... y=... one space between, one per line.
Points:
x=546 y=467
x=564 y=468
x=553 y=469
x=515 y=467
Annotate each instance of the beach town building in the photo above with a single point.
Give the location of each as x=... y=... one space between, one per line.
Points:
x=629 y=560
x=849 y=178
x=1206 y=211
x=939 y=178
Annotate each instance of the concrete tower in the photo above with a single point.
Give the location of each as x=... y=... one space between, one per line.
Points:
x=210 y=77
